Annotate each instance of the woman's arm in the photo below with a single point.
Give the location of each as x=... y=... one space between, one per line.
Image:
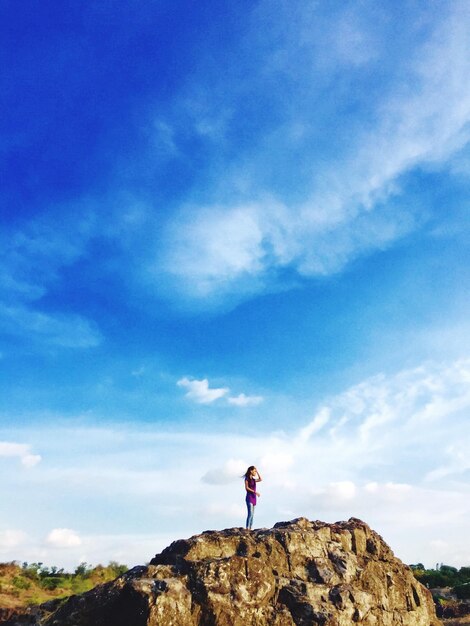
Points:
x=259 y=479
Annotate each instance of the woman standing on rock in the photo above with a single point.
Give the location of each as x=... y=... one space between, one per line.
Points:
x=252 y=477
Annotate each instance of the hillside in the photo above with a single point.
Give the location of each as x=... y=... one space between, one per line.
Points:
x=33 y=583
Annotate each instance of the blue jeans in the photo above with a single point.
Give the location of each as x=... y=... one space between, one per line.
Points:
x=251 y=512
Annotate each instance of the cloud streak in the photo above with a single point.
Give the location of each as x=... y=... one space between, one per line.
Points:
x=243 y=400
x=354 y=204
x=261 y=235
x=34 y=260
x=60 y=330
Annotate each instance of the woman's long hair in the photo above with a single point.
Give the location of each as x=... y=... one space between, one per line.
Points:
x=246 y=475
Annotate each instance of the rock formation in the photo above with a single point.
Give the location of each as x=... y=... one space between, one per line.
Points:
x=298 y=573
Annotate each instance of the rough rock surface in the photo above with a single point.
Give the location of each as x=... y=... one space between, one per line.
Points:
x=298 y=573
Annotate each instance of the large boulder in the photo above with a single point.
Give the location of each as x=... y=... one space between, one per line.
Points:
x=298 y=573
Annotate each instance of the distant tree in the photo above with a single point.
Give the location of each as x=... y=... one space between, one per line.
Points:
x=448 y=570
x=462 y=591
x=31 y=570
x=51 y=582
x=443 y=576
x=83 y=570
x=55 y=571
x=44 y=571
x=117 y=569
x=434 y=579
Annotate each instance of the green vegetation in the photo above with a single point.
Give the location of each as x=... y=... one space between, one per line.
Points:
x=442 y=576
x=462 y=591
x=34 y=583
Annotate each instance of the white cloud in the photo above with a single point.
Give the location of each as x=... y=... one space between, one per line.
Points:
x=199 y=390
x=63 y=538
x=413 y=399
x=30 y=460
x=277 y=460
x=20 y=450
x=242 y=400
x=12 y=539
x=127 y=548
x=349 y=207
x=342 y=490
x=320 y=420
x=230 y=512
x=232 y=470
x=456 y=461
x=210 y=248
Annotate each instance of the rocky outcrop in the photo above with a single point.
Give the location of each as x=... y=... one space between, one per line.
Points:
x=298 y=573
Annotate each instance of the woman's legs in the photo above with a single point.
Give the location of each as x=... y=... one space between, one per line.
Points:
x=251 y=512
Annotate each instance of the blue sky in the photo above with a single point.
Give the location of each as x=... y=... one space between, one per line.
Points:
x=233 y=233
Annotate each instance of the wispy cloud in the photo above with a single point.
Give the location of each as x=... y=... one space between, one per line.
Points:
x=351 y=205
x=199 y=390
x=35 y=253
x=230 y=472
x=63 y=538
x=11 y=539
x=34 y=259
x=67 y=331
x=385 y=418
x=243 y=400
x=343 y=204
x=21 y=451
